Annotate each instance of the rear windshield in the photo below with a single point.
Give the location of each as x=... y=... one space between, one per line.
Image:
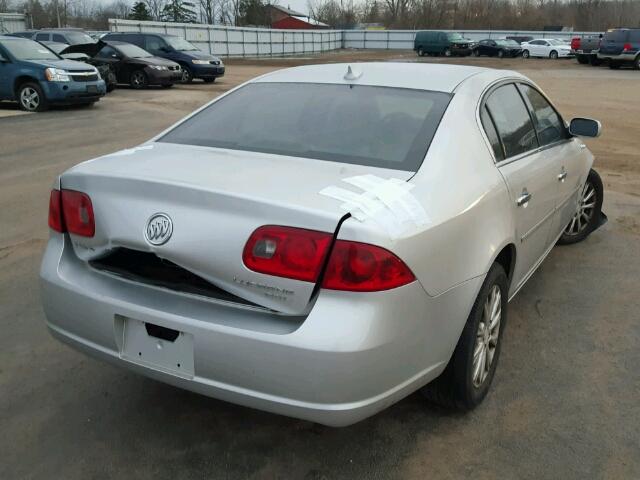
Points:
x=132 y=51
x=375 y=126
x=454 y=36
x=616 y=36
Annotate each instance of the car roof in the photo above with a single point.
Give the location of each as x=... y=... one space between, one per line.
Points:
x=155 y=34
x=417 y=76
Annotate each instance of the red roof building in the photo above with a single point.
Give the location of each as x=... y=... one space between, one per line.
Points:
x=285 y=18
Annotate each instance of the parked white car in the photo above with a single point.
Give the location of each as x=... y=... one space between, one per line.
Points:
x=546 y=47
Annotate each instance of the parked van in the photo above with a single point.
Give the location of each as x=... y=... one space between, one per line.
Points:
x=194 y=62
x=441 y=43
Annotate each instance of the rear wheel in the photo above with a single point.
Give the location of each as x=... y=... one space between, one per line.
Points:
x=447 y=52
x=31 y=98
x=525 y=54
x=613 y=65
x=138 y=79
x=420 y=52
x=553 y=55
x=475 y=52
x=636 y=63
x=500 y=53
x=187 y=74
x=587 y=215
x=583 y=59
x=468 y=375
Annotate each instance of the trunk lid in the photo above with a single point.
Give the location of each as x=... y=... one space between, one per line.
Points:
x=215 y=199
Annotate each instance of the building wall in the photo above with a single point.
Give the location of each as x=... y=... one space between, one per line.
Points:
x=12 y=22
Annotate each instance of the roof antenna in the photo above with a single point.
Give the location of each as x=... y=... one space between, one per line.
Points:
x=352 y=74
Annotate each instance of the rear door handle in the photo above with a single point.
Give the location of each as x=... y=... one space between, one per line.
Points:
x=563 y=175
x=524 y=198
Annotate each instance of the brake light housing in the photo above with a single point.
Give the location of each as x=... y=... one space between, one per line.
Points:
x=288 y=252
x=575 y=43
x=71 y=211
x=361 y=267
x=627 y=47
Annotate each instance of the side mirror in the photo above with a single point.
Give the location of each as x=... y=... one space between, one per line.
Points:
x=3 y=60
x=585 y=127
x=165 y=49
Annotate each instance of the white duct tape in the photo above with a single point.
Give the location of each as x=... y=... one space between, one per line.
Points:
x=130 y=151
x=388 y=202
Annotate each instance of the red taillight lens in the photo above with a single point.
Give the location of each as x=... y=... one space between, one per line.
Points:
x=287 y=252
x=575 y=43
x=360 y=267
x=77 y=213
x=627 y=46
x=55 y=212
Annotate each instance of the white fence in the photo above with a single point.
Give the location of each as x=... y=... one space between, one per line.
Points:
x=403 y=39
x=253 y=42
x=240 y=41
x=12 y=22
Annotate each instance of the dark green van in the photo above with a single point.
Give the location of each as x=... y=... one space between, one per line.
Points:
x=441 y=43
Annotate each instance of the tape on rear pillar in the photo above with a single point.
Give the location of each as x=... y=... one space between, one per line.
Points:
x=388 y=202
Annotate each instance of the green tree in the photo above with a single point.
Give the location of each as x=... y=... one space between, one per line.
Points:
x=179 y=11
x=139 y=11
x=252 y=12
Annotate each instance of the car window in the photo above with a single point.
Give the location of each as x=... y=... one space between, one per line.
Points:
x=180 y=44
x=107 y=52
x=132 y=51
x=616 y=36
x=24 y=49
x=548 y=123
x=634 y=36
x=154 y=44
x=58 y=38
x=364 y=125
x=492 y=134
x=42 y=37
x=512 y=120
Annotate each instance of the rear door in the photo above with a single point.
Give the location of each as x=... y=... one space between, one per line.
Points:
x=528 y=172
x=613 y=42
x=7 y=70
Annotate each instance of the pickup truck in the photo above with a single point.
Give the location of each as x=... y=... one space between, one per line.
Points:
x=586 y=49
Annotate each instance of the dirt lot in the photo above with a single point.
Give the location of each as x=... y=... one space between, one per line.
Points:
x=565 y=402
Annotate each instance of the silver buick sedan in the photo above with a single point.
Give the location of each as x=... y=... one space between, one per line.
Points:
x=322 y=241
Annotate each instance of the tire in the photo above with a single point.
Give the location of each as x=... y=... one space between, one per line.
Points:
x=553 y=55
x=525 y=54
x=614 y=65
x=447 y=52
x=500 y=54
x=420 y=52
x=111 y=87
x=475 y=52
x=583 y=59
x=167 y=85
x=209 y=80
x=594 y=61
x=138 y=79
x=588 y=213
x=460 y=387
x=31 y=98
x=187 y=74
x=636 y=63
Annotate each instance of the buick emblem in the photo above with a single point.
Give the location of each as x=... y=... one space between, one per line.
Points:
x=159 y=229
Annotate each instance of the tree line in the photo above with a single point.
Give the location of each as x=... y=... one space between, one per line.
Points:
x=582 y=15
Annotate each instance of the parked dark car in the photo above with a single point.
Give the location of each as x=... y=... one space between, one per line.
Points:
x=496 y=48
x=132 y=65
x=36 y=77
x=107 y=73
x=25 y=34
x=621 y=46
x=70 y=36
x=194 y=62
x=519 y=38
x=441 y=43
x=586 y=49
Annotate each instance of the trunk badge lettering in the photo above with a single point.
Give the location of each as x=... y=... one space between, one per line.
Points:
x=159 y=229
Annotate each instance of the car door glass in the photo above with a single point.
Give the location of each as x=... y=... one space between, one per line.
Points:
x=59 y=38
x=512 y=120
x=548 y=123
x=107 y=52
x=154 y=44
x=492 y=134
x=42 y=37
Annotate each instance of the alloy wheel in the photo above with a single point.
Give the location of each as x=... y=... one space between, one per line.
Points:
x=487 y=337
x=30 y=99
x=586 y=208
x=138 y=79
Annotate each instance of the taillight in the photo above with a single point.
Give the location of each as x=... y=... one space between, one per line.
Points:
x=575 y=43
x=55 y=212
x=287 y=252
x=71 y=211
x=627 y=46
x=360 y=267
